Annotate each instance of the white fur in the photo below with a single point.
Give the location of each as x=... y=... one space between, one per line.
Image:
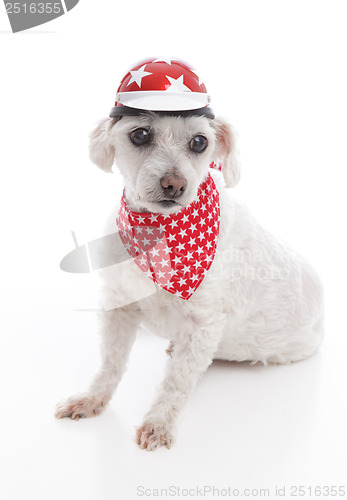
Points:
x=260 y=301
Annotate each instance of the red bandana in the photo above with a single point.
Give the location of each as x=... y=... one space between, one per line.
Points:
x=175 y=251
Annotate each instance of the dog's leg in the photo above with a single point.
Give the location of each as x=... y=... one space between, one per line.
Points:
x=191 y=357
x=118 y=330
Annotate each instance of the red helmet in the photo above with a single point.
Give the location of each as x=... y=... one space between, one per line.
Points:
x=162 y=85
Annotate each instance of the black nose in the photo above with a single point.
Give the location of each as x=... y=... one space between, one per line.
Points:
x=173 y=185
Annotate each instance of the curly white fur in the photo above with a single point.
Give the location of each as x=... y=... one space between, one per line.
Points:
x=260 y=301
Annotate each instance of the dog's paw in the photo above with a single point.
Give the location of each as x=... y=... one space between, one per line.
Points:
x=152 y=436
x=80 y=407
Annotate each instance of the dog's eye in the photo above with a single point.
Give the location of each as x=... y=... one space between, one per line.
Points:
x=140 y=136
x=198 y=144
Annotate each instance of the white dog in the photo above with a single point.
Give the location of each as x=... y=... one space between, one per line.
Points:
x=259 y=301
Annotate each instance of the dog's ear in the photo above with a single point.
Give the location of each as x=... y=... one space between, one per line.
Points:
x=101 y=151
x=226 y=151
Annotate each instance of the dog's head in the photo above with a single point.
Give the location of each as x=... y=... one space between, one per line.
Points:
x=164 y=159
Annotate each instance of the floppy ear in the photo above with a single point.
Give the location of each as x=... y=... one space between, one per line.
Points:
x=101 y=151
x=226 y=151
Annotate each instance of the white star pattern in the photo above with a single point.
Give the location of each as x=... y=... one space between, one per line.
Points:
x=136 y=76
x=175 y=251
x=173 y=224
x=160 y=275
x=186 y=269
x=177 y=85
x=143 y=261
x=202 y=222
x=154 y=252
x=177 y=260
x=153 y=217
x=166 y=60
x=182 y=233
x=195 y=73
x=180 y=246
x=127 y=246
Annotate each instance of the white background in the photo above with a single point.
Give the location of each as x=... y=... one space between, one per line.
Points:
x=277 y=70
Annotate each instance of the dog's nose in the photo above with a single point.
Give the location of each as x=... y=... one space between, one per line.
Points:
x=173 y=185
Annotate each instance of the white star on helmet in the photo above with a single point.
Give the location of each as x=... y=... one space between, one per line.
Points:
x=136 y=76
x=177 y=84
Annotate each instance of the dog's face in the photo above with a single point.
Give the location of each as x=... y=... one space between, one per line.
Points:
x=163 y=159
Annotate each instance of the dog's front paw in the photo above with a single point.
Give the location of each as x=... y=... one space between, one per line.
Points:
x=151 y=436
x=80 y=407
